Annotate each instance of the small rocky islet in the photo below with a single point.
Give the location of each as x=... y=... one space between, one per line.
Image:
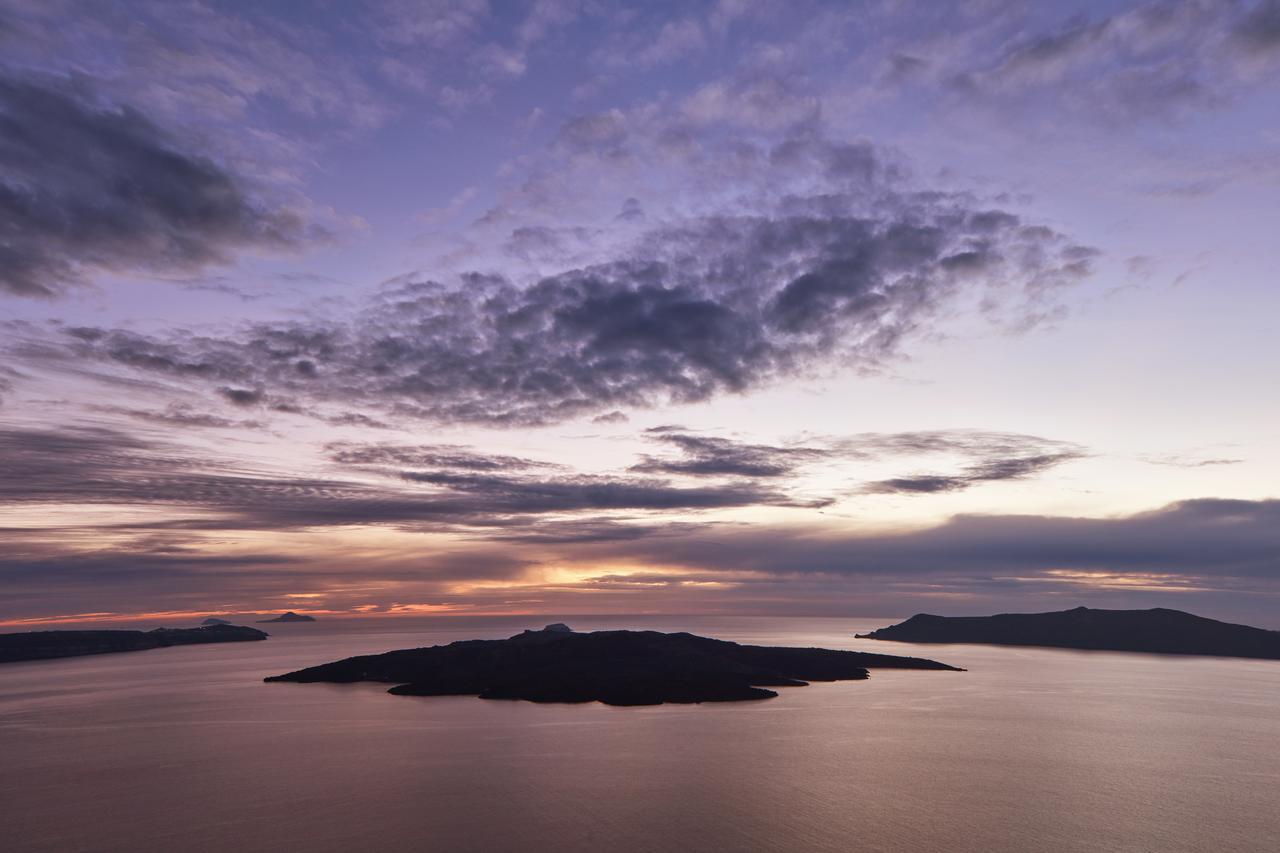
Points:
x=290 y=616
x=557 y=664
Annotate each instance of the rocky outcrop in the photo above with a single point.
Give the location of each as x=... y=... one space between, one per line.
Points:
x=613 y=667
x=42 y=645
x=1157 y=630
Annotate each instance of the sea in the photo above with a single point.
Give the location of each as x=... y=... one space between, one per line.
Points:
x=1029 y=750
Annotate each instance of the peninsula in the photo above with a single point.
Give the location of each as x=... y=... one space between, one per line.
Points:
x=557 y=664
x=43 y=645
x=1157 y=630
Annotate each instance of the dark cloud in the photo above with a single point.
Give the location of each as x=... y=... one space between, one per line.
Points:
x=593 y=530
x=1207 y=538
x=503 y=495
x=438 y=487
x=1259 y=30
x=903 y=68
x=241 y=396
x=934 y=483
x=449 y=456
x=1220 y=557
x=704 y=455
x=991 y=456
x=95 y=465
x=130 y=577
x=88 y=466
x=87 y=187
x=1013 y=468
x=172 y=572
x=632 y=211
x=1193 y=547
x=695 y=309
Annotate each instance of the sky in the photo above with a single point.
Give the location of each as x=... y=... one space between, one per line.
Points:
x=573 y=306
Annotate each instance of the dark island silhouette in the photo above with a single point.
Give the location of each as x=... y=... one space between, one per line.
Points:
x=289 y=617
x=1158 y=630
x=44 y=645
x=213 y=620
x=557 y=664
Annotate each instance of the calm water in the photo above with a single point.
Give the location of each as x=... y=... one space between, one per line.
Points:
x=1031 y=750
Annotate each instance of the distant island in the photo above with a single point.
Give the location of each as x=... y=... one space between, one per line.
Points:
x=557 y=664
x=213 y=620
x=1157 y=630
x=289 y=617
x=44 y=645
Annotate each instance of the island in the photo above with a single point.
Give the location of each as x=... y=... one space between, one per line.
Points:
x=557 y=664
x=1158 y=630
x=289 y=617
x=44 y=645
x=213 y=620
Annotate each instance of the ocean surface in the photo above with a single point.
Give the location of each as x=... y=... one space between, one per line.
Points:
x=1031 y=750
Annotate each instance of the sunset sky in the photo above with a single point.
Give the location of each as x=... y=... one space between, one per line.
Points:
x=582 y=307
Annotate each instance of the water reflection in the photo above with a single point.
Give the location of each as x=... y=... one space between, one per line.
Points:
x=1030 y=750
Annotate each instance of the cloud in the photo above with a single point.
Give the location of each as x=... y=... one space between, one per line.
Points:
x=632 y=211
x=704 y=455
x=758 y=101
x=97 y=465
x=603 y=132
x=504 y=495
x=676 y=40
x=434 y=487
x=89 y=188
x=7 y=377
x=445 y=456
x=1209 y=555
x=433 y=24
x=204 y=64
x=179 y=573
x=1002 y=469
x=446 y=489
x=1259 y=30
x=593 y=530
x=355 y=419
x=1154 y=59
x=993 y=456
x=1205 y=537
x=180 y=415
x=242 y=396
x=691 y=309
x=997 y=456
x=1190 y=461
